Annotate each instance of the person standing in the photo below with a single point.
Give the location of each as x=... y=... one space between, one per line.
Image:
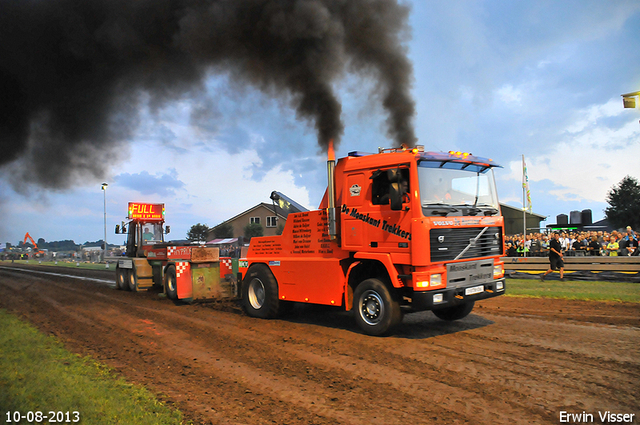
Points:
x=612 y=247
x=594 y=246
x=629 y=244
x=556 y=261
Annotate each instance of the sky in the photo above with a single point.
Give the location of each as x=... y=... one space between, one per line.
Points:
x=499 y=79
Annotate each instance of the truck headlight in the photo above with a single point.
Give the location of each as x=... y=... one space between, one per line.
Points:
x=499 y=286
x=437 y=298
x=498 y=271
x=434 y=280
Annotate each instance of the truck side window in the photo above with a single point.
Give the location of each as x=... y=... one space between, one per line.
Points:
x=380 y=185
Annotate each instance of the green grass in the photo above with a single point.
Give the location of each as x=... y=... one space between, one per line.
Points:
x=574 y=290
x=65 y=263
x=38 y=374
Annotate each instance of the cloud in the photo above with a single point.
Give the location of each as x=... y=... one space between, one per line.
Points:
x=510 y=95
x=591 y=155
x=161 y=184
x=588 y=118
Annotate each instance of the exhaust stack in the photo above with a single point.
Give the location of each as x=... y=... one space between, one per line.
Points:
x=331 y=210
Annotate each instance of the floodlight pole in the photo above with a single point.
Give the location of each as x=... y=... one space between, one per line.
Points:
x=104 y=189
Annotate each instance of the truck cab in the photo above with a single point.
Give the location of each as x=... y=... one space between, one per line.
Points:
x=141 y=233
x=436 y=216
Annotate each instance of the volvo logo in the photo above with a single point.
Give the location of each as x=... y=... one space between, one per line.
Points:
x=441 y=239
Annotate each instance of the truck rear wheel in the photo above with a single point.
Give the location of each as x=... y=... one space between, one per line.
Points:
x=171 y=283
x=122 y=280
x=377 y=312
x=133 y=280
x=260 y=293
x=455 y=313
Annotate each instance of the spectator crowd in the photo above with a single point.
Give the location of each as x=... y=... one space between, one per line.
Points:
x=579 y=243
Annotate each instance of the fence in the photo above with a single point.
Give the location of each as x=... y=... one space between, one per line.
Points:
x=584 y=268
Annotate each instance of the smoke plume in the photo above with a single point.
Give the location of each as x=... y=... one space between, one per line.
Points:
x=72 y=71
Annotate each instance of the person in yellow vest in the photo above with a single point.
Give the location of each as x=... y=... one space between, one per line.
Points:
x=612 y=247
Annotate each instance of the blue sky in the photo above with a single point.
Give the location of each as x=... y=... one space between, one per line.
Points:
x=500 y=79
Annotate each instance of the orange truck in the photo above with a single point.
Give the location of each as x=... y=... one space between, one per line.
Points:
x=399 y=231
x=186 y=272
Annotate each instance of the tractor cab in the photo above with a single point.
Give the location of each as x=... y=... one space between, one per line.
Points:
x=145 y=228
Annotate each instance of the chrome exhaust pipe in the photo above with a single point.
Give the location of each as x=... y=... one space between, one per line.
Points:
x=331 y=210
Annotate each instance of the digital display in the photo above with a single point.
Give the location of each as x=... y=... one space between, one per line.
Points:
x=150 y=212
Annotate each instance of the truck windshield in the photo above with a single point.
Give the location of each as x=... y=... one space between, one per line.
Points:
x=453 y=188
x=152 y=233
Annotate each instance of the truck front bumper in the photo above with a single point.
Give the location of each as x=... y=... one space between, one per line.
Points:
x=450 y=297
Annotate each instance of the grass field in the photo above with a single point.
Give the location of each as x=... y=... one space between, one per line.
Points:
x=38 y=374
x=64 y=263
x=574 y=290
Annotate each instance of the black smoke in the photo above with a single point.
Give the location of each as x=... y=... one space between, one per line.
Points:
x=72 y=72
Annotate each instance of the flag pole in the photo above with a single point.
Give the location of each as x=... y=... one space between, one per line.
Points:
x=524 y=207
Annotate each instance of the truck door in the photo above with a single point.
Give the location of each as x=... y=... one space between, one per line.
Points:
x=132 y=246
x=389 y=187
x=369 y=222
x=354 y=200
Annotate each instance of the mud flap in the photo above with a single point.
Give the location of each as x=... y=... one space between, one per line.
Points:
x=184 y=286
x=143 y=273
x=208 y=284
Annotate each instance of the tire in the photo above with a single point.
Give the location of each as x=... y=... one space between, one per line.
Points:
x=171 y=283
x=126 y=273
x=122 y=279
x=260 y=293
x=377 y=311
x=133 y=280
x=455 y=313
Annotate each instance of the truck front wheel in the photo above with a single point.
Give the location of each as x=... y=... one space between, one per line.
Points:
x=260 y=293
x=455 y=313
x=170 y=283
x=377 y=312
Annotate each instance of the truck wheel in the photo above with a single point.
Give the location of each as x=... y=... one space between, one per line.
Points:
x=133 y=280
x=171 y=283
x=126 y=275
x=260 y=293
x=455 y=313
x=121 y=279
x=377 y=312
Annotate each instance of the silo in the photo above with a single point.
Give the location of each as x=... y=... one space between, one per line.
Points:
x=562 y=219
x=575 y=217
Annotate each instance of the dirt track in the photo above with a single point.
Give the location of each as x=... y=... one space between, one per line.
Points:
x=512 y=361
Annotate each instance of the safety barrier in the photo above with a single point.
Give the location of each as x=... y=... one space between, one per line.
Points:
x=589 y=263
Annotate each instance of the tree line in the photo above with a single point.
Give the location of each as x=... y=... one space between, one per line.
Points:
x=65 y=245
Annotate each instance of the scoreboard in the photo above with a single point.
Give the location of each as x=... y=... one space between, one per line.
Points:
x=150 y=212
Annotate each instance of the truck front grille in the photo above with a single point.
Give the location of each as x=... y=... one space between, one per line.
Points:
x=448 y=244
